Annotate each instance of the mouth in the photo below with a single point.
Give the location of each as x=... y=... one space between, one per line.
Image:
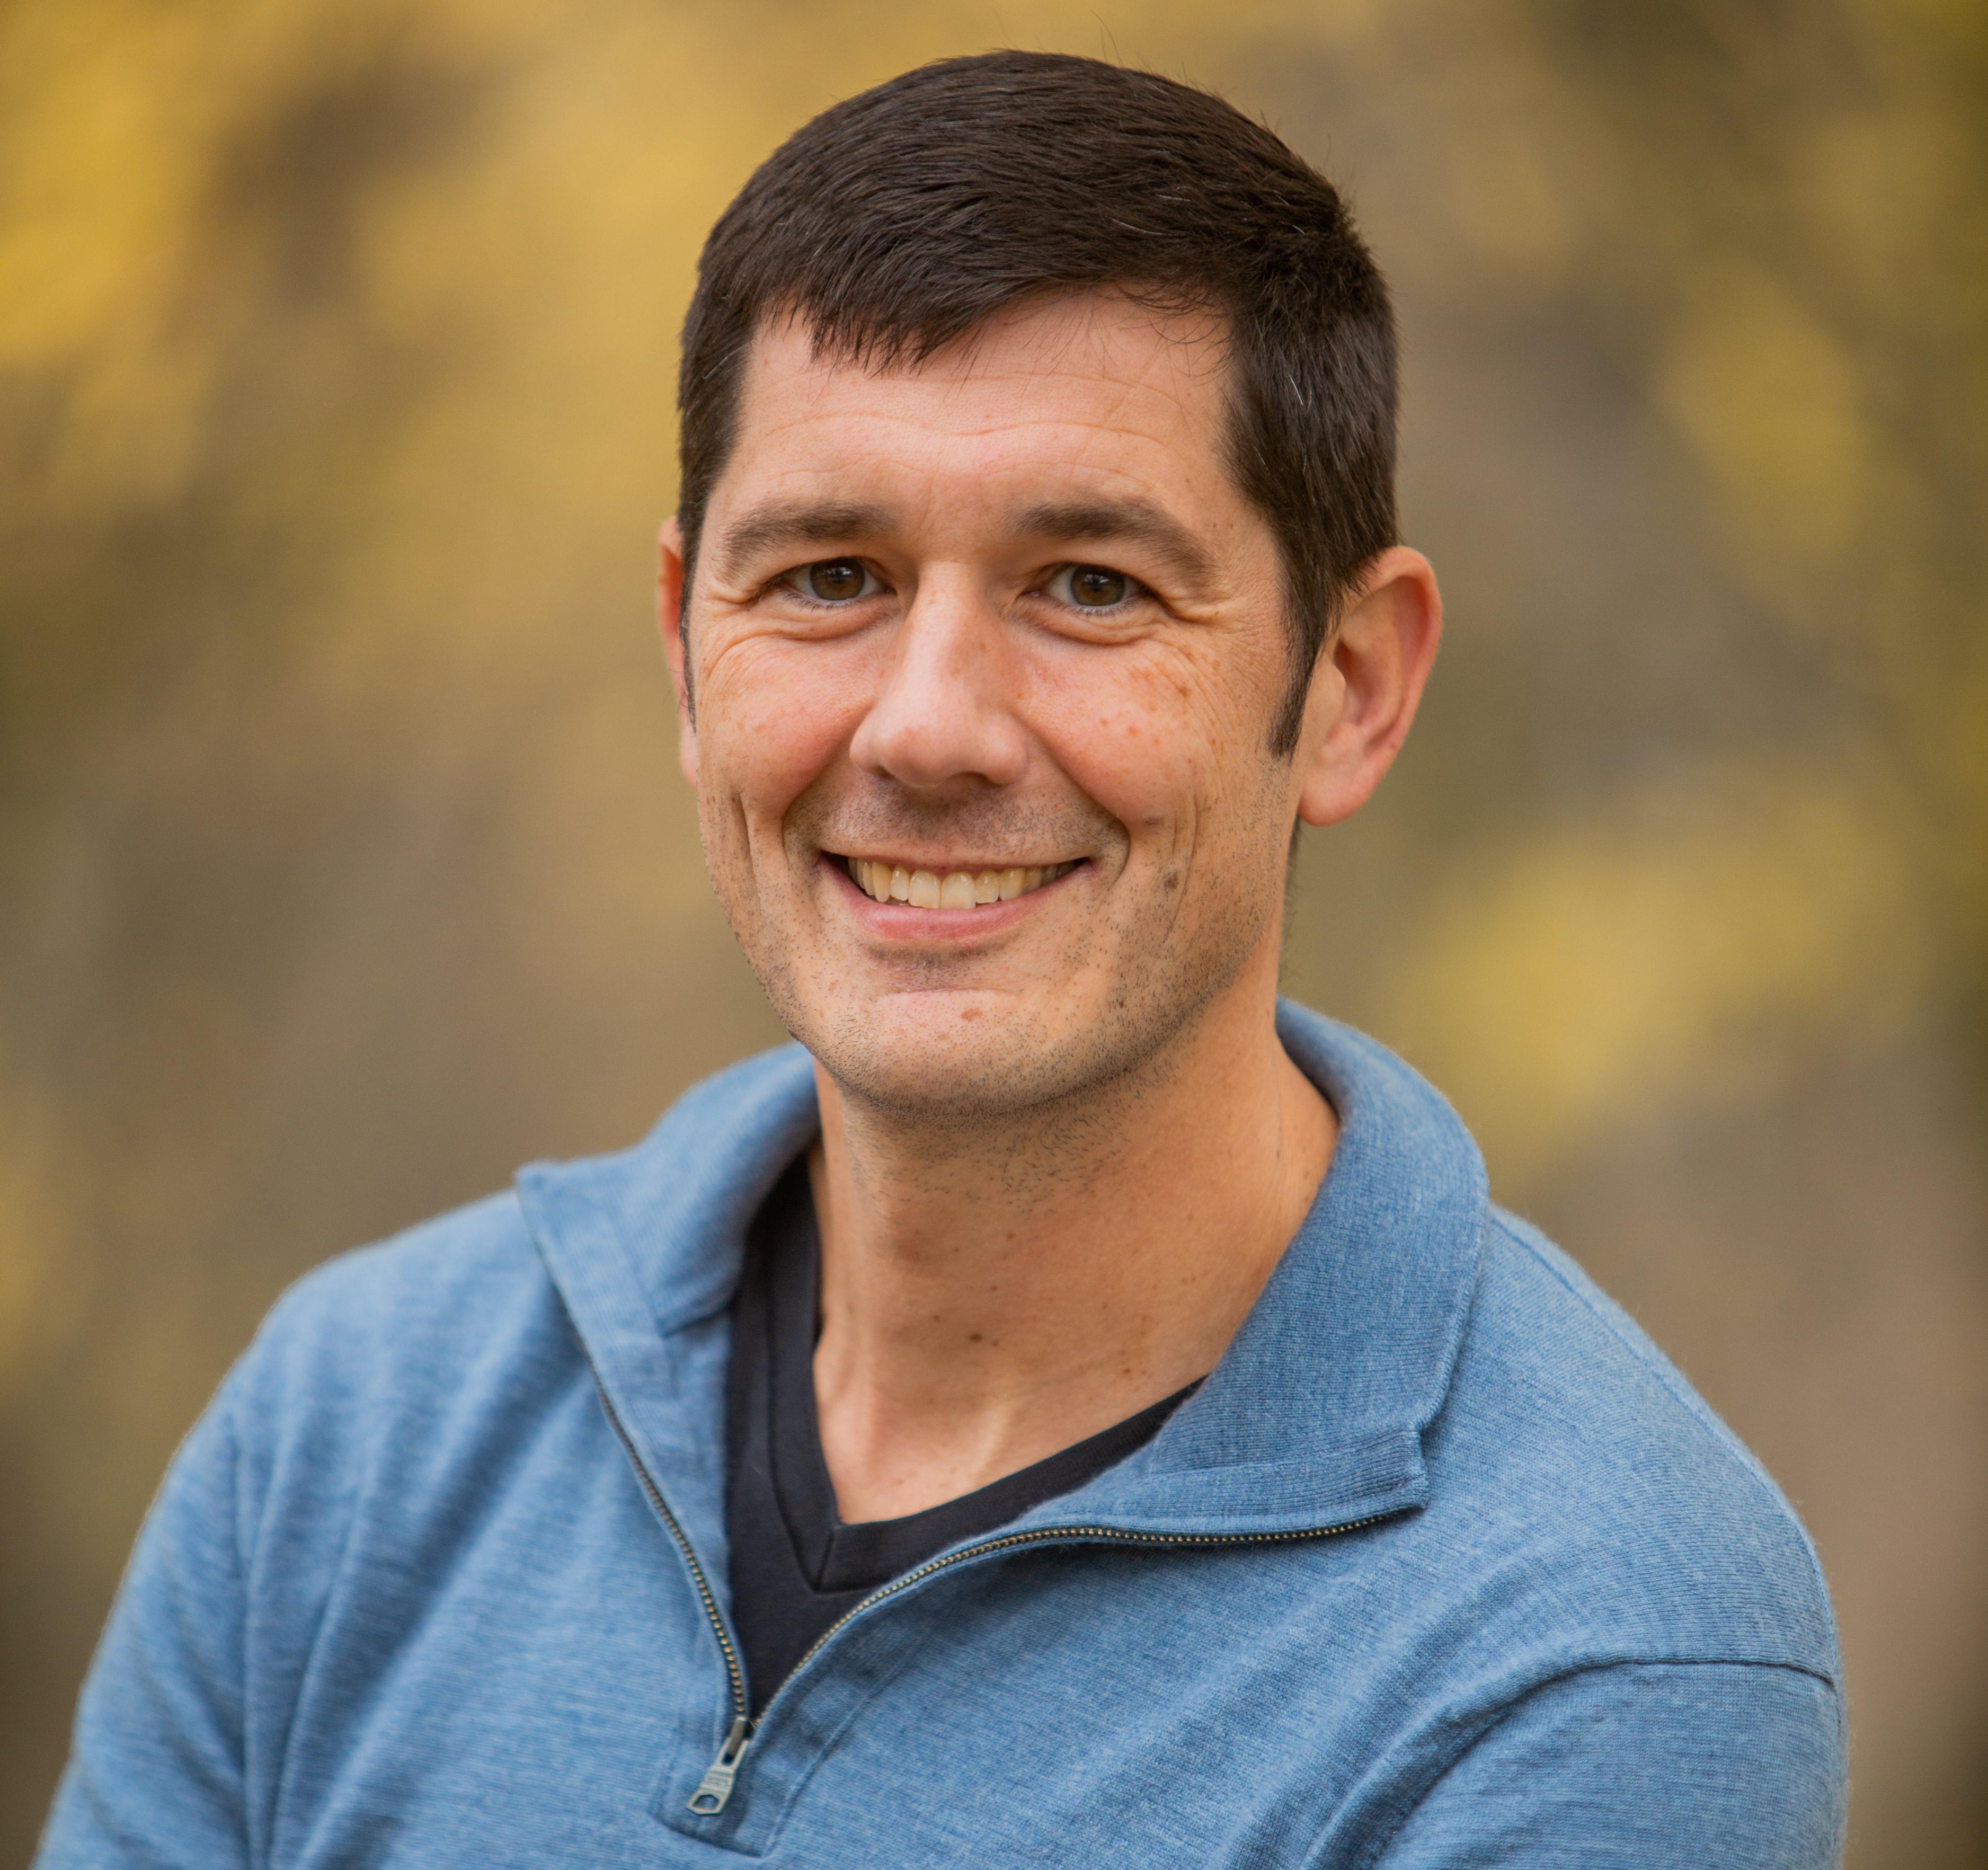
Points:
x=884 y=881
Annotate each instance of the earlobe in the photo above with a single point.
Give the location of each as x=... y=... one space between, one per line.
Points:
x=670 y=621
x=1320 y=744
x=1367 y=686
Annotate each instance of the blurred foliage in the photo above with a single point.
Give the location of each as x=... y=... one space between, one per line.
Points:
x=1754 y=232
x=343 y=862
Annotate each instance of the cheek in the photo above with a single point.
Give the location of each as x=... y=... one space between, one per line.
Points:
x=770 y=716
x=1155 y=738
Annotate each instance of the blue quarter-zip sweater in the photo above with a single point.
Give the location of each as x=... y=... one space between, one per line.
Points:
x=1443 y=1565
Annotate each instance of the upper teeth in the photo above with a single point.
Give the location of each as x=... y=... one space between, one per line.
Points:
x=958 y=889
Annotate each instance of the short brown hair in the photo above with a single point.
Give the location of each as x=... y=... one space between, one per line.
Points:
x=902 y=218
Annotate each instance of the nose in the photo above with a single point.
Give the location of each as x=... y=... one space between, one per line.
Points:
x=943 y=709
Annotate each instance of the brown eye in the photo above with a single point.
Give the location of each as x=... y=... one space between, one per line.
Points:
x=835 y=580
x=1095 y=588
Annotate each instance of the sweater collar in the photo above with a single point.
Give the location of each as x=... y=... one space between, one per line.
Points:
x=1312 y=1418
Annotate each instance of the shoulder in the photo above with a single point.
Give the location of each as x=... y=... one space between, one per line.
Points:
x=468 y=1318
x=460 y=1280
x=453 y=1322
x=1611 y=1502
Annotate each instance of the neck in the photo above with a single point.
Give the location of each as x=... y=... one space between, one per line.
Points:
x=993 y=1293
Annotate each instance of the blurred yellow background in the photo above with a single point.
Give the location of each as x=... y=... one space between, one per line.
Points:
x=343 y=860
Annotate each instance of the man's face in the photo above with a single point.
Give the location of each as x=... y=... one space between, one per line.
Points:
x=999 y=631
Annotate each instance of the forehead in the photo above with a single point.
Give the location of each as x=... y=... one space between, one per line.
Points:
x=1087 y=393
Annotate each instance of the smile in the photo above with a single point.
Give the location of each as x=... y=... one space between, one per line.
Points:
x=952 y=889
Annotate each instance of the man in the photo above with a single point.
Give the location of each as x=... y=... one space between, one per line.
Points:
x=1070 y=1408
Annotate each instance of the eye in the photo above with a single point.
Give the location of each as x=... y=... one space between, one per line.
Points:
x=1092 y=587
x=835 y=580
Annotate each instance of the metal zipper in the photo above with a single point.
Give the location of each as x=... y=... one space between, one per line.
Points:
x=715 y=1787
x=735 y=1740
x=1052 y=1535
x=714 y=1790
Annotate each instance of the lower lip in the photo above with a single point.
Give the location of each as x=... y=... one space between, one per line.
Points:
x=899 y=921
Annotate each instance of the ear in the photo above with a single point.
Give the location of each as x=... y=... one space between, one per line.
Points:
x=1367 y=686
x=670 y=618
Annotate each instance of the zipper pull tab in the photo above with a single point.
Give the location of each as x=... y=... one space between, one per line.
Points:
x=716 y=1787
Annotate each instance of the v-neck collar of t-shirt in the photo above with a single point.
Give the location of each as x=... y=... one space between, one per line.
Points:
x=796 y=1567
x=836 y=1555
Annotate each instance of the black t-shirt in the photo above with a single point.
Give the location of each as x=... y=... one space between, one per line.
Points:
x=796 y=1567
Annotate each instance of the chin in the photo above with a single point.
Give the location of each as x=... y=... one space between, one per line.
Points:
x=948 y=1059
x=955 y=1059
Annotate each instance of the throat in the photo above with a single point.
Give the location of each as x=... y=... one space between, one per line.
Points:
x=979 y=1310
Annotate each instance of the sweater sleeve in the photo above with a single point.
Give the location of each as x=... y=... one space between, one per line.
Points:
x=156 y=1772
x=1720 y=1766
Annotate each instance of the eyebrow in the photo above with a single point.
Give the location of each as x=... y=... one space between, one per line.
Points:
x=780 y=524
x=1139 y=520
x=792 y=525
